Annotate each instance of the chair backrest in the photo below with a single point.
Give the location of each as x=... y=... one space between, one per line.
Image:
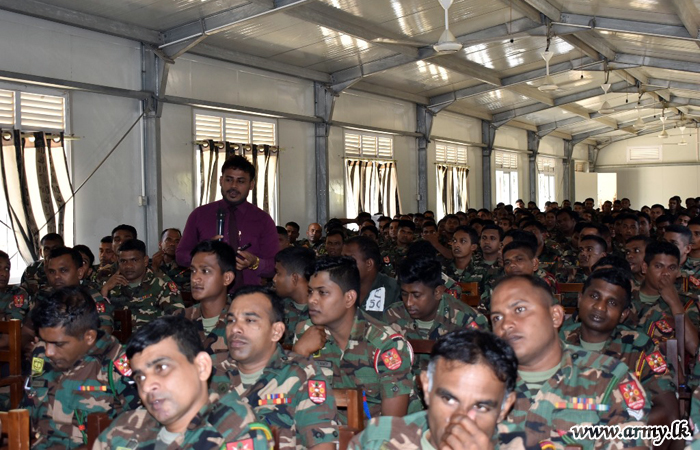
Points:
x=679 y=322
x=346 y=435
x=13 y=357
x=421 y=346
x=352 y=400
x=97 y=422
x=15 y=427
x=569 y=287
x=471 y=300
x=470 y=288
x=122 y=325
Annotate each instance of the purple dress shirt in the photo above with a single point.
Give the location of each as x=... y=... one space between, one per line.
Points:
x=255 y=227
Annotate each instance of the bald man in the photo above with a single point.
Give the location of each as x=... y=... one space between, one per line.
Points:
x=313 y=237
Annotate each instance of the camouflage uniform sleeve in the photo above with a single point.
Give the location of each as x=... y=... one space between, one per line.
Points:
x=387 y=433
x=691 y=310
x=124 y=386
x=315 y=417
x=653 y=371
x=392 y=362
x=105 y=309
x=18 y=306
x=169 y=299
x=236 y=422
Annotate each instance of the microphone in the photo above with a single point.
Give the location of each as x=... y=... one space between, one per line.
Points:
x=220 y=217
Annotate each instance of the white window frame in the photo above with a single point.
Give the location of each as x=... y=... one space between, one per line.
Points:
x=546 y=180
x=448 y=154
x=7 y=238
x=644 y=154
x=506 y=171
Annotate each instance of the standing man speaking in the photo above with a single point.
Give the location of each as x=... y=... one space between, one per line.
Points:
x=242 y=225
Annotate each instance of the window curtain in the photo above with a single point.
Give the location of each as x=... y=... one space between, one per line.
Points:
x=264 y=158
x=372 y=186
x=38 y=189
x=452 y=189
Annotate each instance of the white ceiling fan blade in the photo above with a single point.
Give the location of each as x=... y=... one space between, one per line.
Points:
x=398 y=42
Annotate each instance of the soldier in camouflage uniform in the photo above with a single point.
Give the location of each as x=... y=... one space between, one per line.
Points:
x=14 y=301
x=313 y=237
x=687 y=281
x=378 y=292
x=464 y=268
x=693 y=263
x=634 y=254
x=394 y=255
x=120 y=234
x=554 y=379
x=471 y=368
x=34 y=276
x=371 y=356
x=213 y=271
x=163 y=261
x=138 y=289
x=602 y=306
x=77 y=369
x=291 y=284
x=426 y=312
x=549 y=257
x=284 y=389
x=171 y=370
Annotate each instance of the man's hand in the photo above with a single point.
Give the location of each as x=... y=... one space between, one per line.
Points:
x=218 y=237
x=157 y=260
x=669 y=294
x=462 y=433
x=313 y=340
x=245 y=259
x=115 y=280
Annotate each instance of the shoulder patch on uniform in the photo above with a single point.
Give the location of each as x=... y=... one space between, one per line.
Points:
x=37 y=366
x=392 y=359
x=547 y=445
x=172 y=286
x=317 y=391
x=473 y=324
x=387 y=260
x=18 y=300
x=632 y=394
x=100 y=307
x=657 y=362
x=244 y=444
x=122 y=366
x=663 y=326
x=694 y=280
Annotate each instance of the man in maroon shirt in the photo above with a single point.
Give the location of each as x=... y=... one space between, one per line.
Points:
x=252 y=229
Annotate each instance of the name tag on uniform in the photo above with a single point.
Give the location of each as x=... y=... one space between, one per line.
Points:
x=326 y=364
x=375 y=301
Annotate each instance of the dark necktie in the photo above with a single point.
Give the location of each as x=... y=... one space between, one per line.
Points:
x=233 y=242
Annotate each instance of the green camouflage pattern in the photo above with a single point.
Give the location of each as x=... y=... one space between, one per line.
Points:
x=695 y=415
x=14 y=303
x=105 y=273
x=392 y=257
x=223 y=423
x=549 y=259
x=180 y=275
x=485 y=301
x=633 y=348
x=154 y=297
x=475 y=272
x=58 y=407
x=656 y=320
x=34 y=277
x=293 y=316
x=547 y=415
x=376 y=359
x=315 y=247
x=392 y=433
x=280 y=398
x=214 y=342
x=384 y=293
x=104 y=308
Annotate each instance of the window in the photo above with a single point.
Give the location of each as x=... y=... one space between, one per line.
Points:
x=506 y=164
x=371 y=182
x=41 y=119
x=451 y=176
x=644 y=154
x=581 y=166
x=256 y=138
x=546 y=187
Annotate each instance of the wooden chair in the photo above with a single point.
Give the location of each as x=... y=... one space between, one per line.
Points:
x=470 y=294
x=346 y=435
x=565 y=288
x=15 y=427
x=352 y=400
x=684 y=395
x=123 y=325
x=97 y=422
x=421 y=346
x=12 y=356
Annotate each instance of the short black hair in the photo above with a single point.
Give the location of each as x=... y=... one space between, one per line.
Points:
x=282 y=231
x=127 y=228
x=684 y=231
x=51 y=237
x=613 y=261
x=597 y=239
x=407 y=224
x=74 y=255
x=492 y=226
x=372 y=229
x=293 y=225
x=534 y=281
x=421 y=248
x=336 y=232
x=71 y=308
x=4 y=256
x=427 y=271
x=162 y=234
x=534 y=223
x=661 y=248
x=520 y=245
x=240 y=163
x=342 y=270
x=275 y=301
x=133 y=245
x=694 y=221
x=522 y=236
x=640 y=237
x=106 y=240
x=570 y=212
x=626 y=216
x=85 y=249
x=225 y=254
x=614 y=276
x=368 y=248
x=429 y=223
x=643 y=215
x=473 y=235
x=664 y=218
x=181 y=329
x=297 y=260
x=471 y=346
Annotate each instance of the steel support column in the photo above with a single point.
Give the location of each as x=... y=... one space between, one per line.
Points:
x=324 y=102
x=424 y=119
x=488 y=134
x=533 y=146
x=568 y=175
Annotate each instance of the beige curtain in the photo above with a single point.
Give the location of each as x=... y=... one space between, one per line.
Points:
x=372 y=186
x=452 y=189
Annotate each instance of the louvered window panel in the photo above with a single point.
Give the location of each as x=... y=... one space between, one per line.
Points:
x=441 y=152
x=353 y=145
x=545 y=165
x=263 y=133
x=7 y=108
x=208 y=127
x=639 y=154
x=369 y=146
x=580 y=166
x=506 y=160
x=238 y=131
x=41 y=112
x=451 y=154
x=384 y=148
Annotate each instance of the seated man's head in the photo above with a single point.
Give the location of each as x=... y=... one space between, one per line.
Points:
x=133 y=260
x=49 y=242
x=661 y=264
x=525 y=314
x=405 y=232
x=612 y=261
x=681 y=237
x=627 y=225
x=313 y=233
x=519 y=258
x=370 y=231
x=120 y=234
x=291 y=266
x=334 y=285
x=634 y=252
x=107 y=253
x=67 y=321
x=171 y=370
x=334 y=242
x=5 y=267
x=490 y=241
x=469 y=381
x=591 y=249
x=422 y=287
x=429 y=228
x=282 y=238
x=465 y=241
x=254 y=325
x=169 y=240
x=292 y=231
x=65 y=267
x=366 y=254
x=605 y=300
x=213 y=270
x=88 y=258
